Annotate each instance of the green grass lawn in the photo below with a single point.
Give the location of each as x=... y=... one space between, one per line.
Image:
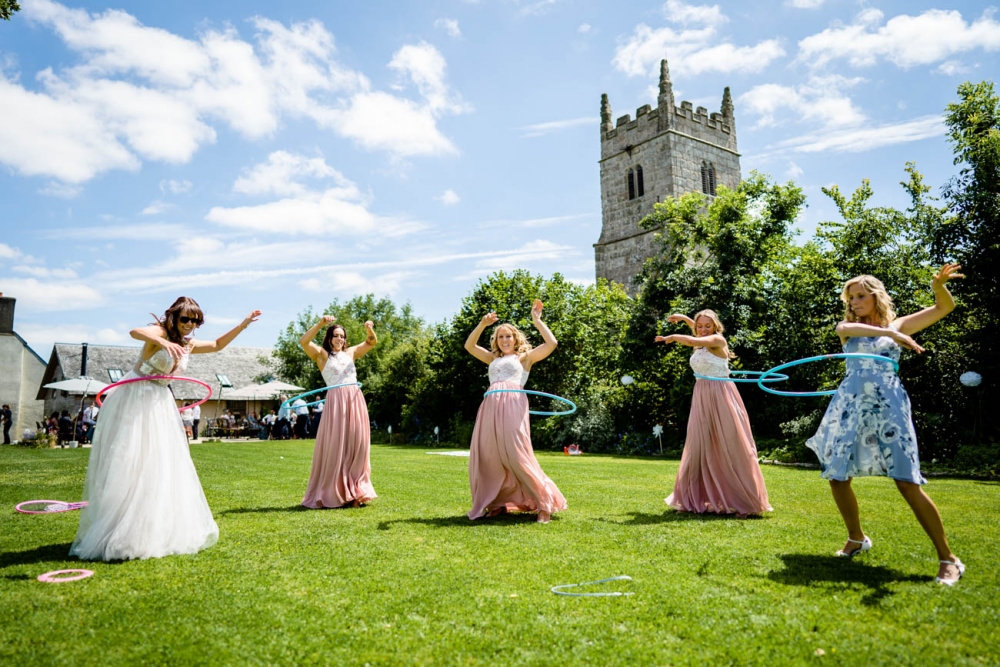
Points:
x=409 y=580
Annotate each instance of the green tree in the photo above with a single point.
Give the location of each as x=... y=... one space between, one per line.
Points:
x=7 y=9
x=589 y=323
x=972 y=236
x=398 y=330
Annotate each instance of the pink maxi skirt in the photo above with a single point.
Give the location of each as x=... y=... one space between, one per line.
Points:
x=719 y=471
x=503 y=470
x=341 y=467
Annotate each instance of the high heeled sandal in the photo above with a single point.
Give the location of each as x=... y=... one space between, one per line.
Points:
x=961 y=572
x=866 y=544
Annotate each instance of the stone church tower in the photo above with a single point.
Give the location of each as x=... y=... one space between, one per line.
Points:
x=665 y=152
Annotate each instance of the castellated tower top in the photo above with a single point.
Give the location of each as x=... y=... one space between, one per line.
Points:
x=664 y=152
x=717 y=128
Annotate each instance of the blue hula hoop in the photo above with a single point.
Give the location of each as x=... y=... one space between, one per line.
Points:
x=821 y=357
x=778 y=377
x=572 y=405
x=288 y=404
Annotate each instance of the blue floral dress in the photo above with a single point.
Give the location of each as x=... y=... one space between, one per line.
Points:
x=868 y=426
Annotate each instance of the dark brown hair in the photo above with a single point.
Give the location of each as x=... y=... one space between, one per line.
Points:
x=169 y=320
x=328 y=338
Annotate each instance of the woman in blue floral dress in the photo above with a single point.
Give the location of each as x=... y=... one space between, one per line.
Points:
x=868 y=426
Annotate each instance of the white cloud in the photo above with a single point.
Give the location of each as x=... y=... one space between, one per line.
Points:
x=142 y=93
x=952 y=67
x=793 y=171
x=61 y=190
x=584 y=28
x=176 y=187
x=676 y=11
x=136 y=232
x=905 y=41
x=156 y=207
x=281 y=173
x=350 y=283
x=537 y=8
x=859 y=140
x=805 y=4
x=692 y=50
x=821 y=100
x=6 y=252
x=43 y=272
x=540 y=129
x=530 y=253
x=35 y=295
x=450 y=26
x=448 y=198
x=41 y=337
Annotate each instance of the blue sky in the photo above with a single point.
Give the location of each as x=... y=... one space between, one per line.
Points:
x=276 y=156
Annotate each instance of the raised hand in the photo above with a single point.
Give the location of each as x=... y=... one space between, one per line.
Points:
x=328 y=319
x=489 y=318
x=173 y=349
x=536 y=310
x=676 y=317
x=947 y=272
x=250 y=319
x=369 y=325
x=664 y=339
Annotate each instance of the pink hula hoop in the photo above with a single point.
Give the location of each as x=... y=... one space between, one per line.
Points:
x=52 y=578
x=67 y=507
x=157 y=377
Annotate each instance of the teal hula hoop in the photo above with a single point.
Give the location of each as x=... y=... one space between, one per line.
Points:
x=288 y=404
x=778 y=377
x=571 y=404
x=830 y=392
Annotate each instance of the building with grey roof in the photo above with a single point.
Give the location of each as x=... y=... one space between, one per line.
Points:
x=21 y=370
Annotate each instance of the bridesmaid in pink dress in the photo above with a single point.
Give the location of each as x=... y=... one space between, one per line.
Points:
x=503 y=472
x=341 y=468
x=719 y=471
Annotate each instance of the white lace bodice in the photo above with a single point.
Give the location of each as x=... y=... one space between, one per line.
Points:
x=508 y=369
x=339 y=369
x=161 y=363
x=703 y=362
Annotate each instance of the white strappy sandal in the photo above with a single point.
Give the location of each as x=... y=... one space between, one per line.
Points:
x=961 y=572
x=866 y=544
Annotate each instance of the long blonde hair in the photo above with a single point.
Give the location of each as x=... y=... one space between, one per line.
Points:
x=716 y=322
x=884 y=308
x=521 y=344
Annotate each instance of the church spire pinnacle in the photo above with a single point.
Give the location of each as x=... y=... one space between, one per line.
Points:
x=665 y=100
x=606 y=125
x=727 y=105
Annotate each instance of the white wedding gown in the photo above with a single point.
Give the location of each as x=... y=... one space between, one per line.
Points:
x=145 y=499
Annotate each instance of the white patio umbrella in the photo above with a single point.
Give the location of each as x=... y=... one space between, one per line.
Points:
x=260 y=392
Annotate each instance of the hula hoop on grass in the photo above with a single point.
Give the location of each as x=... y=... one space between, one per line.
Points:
x=288 y=404
x=53 y=578
x=829 y=392
x=571 y=404
x=157 y=377
x=55 y=507
x=558 y=589
x=777 y=377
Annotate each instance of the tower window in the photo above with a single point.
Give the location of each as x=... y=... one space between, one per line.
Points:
x=638 y=179
x=711 y=180
x=704 y=179
x=631 y=184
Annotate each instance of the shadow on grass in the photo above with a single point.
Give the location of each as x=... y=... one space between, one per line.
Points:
x=464 y=521
x=45 y=554
x=812 y=570
x=672 y=516
x=266 y=510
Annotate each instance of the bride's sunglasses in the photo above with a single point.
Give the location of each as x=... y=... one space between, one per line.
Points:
x=184 y=319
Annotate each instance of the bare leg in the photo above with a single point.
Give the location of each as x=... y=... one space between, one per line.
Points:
x=544 y=517
x=847 y=503
x=930 y=520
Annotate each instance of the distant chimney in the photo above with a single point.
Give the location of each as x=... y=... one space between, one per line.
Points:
x=6 y=314
x=83 y=362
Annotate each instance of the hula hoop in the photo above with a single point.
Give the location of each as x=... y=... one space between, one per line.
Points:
x=778 y=377
x=52 y=578
x=59 y=506
x=287 y=404
x=157 y=377
x=558 y=589
x=821 y=357
x=571 y=404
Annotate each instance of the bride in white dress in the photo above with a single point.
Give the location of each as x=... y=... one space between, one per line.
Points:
x=145 y=500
